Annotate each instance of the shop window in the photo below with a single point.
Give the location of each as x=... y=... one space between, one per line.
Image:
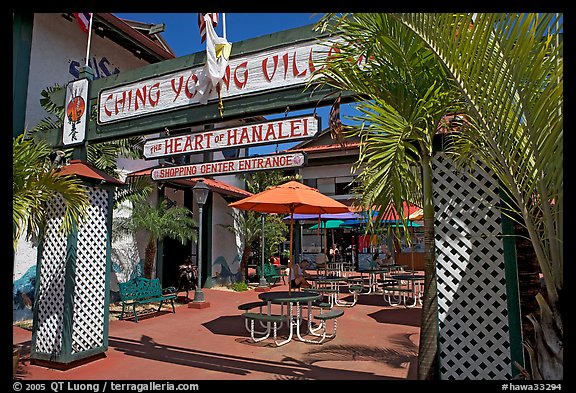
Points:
x=310 y=182
x=327 y=186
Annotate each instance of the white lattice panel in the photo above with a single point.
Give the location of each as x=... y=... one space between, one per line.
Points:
x=89 y=288
x=50 y=297
x=474 y=338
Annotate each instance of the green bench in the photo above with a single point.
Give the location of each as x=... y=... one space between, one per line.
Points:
x=275 y=320
x=271 y=274
x=332 y=314
x=141 y=290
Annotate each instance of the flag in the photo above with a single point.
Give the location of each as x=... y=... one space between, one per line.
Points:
x=83 y=20
x=202 y=24
x=217 y=54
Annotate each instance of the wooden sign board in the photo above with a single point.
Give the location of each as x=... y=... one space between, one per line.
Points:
x=268 y=70
x=76 y=115
x=228 y=167
x=275 y=131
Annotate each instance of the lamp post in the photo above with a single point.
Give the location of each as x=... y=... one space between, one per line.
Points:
x=263 y=282
x=201 y=195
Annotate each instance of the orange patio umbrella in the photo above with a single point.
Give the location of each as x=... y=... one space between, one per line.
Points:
x=290 y=198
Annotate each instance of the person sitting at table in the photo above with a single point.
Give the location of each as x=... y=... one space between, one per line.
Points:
x=297 y=275
x=334 y=253
x=386 y=261
x=382 y=263
x=375 y=262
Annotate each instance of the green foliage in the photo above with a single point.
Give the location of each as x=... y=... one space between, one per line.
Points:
x=259 y=181
x=35 y=183
x=159 y=221
x=239 y=286
x=510 y=69
x=398 y=115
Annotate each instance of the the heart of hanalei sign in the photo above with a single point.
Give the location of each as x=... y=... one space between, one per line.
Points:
x=276 y=131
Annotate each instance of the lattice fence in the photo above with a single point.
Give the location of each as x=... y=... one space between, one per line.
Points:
x=474 y=340
x=89 y=278
x=89 y=288
x=50 y=297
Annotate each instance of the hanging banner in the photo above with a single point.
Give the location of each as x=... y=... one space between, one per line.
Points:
x=275 y=131
x=75 y=120
x=246 y=164
x=276 y=68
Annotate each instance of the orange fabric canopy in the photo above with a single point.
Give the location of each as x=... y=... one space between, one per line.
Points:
x=291 y=197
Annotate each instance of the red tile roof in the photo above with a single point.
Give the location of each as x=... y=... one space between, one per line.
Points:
x=85 y=169
x=326 y=148
x=214 y=185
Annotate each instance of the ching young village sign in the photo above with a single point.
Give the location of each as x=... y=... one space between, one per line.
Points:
x=268 y=70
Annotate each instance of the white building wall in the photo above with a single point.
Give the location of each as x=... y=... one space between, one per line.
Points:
x=58 y=49
x=318 y=172
x=226 y=248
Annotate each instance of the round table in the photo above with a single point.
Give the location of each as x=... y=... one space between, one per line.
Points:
x=330 y=286
x=411 y=280
x=372 y=279
x=289 y=297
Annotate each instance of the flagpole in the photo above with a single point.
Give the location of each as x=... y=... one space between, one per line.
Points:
x=224 y=25
x=89 y=38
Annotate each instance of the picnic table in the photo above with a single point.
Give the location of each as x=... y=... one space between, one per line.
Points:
x=407 y=283
x=372 y=279
x=291 y=304
x=330 y=287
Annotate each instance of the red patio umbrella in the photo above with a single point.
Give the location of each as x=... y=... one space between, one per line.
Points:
x=290 y=198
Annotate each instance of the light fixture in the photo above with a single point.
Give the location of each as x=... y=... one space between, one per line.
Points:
x=200 y=191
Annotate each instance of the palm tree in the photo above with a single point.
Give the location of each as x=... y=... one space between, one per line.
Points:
x=159 y=221
x=402 y=93
x=247 y=225
x=510 y=69
x=36 y=182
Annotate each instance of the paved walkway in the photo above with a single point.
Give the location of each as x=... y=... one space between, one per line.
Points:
x=374 y=341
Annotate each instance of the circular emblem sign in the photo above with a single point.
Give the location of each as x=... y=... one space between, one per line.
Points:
x=75 y=109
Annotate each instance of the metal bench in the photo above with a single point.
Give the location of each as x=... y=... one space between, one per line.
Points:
x=141 y=290
x=270 y=273
x=332 y=314
x=275 y=320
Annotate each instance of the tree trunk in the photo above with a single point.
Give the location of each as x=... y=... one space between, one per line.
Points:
x=529 y=284
x=547 y=362
x=149 y=258
x=244 y=262
x=428 y=349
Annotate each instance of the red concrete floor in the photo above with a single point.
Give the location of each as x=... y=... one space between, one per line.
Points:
x=373 y=342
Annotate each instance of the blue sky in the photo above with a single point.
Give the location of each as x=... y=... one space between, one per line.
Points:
x=182 y=34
